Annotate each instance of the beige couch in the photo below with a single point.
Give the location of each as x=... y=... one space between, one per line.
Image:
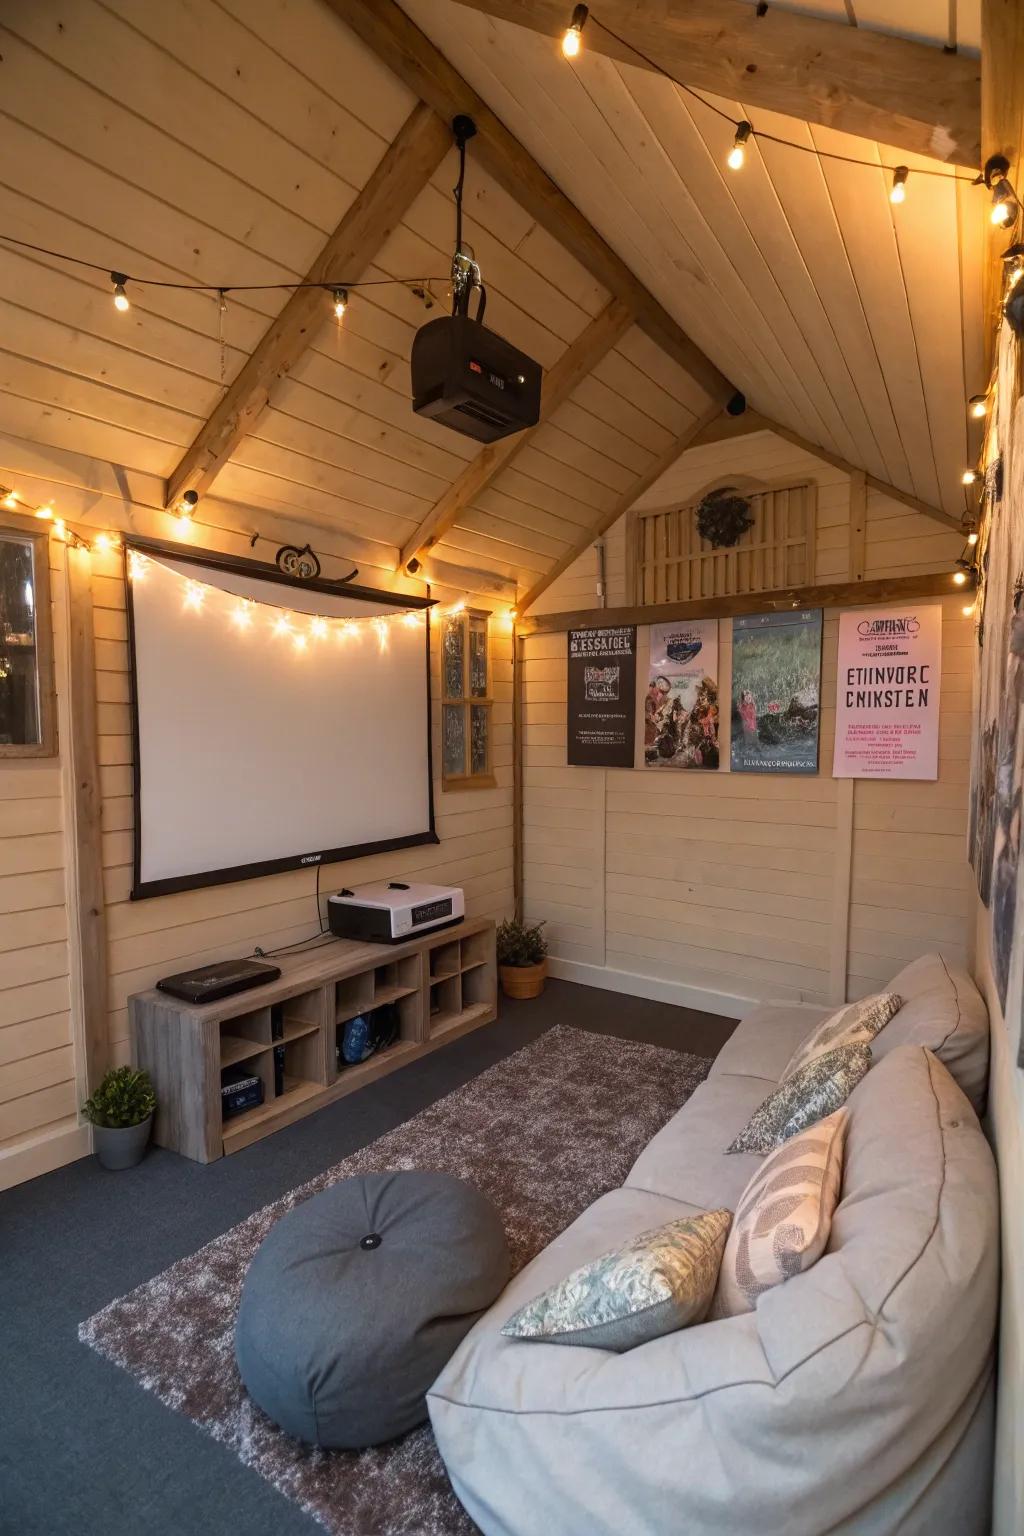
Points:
x=857 y=1398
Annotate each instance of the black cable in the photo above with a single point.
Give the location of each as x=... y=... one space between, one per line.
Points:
x=319 y=914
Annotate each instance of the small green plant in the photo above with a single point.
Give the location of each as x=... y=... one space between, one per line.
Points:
x=521 y=944
x=124 y=1098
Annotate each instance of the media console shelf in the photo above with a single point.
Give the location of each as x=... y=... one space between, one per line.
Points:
x=442 y=984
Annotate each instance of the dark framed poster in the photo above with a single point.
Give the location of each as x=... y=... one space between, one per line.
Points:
x=601 y=699
x=776 y=692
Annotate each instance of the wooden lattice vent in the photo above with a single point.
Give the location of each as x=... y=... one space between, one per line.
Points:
x=670 y=561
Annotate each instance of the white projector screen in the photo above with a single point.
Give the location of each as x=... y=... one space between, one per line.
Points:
x=277 y=724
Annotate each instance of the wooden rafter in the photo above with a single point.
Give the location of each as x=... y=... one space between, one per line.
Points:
x=559 y=382
x=653 y=472
x=843 y=594
x=723 y=427
x=422 y=143
x=1002 y=131
x=384 y=27
x=910 y=94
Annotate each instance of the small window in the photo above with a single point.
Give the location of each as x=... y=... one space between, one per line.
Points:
x=465 y=702
x=26 y=666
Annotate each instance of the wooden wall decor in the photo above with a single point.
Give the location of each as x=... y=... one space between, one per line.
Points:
x=671 y=562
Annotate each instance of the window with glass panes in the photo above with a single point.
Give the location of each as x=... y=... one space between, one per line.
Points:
x=465 y=701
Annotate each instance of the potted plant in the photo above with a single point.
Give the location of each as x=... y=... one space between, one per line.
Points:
x=121 y=1113
x=522 y=958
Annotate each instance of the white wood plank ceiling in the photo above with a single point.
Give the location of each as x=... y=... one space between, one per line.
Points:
x=851 y=321
x=223 y=139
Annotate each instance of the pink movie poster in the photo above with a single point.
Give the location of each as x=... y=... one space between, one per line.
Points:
x=887 y=693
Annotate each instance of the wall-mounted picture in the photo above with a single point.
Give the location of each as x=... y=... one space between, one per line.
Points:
x=776 y=692
x=681 y=703
x=601 y=698
x=888 y=685
x=1006 y=810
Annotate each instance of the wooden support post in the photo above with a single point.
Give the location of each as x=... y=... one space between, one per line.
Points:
x=858 y=524
x=86 y=907
x=518 y=658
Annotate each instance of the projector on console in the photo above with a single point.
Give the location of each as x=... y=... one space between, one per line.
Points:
x=389 y=911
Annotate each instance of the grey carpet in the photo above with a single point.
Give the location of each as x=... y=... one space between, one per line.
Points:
x=82 y=1449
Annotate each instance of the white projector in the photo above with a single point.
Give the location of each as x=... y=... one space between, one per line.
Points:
x=388 y=911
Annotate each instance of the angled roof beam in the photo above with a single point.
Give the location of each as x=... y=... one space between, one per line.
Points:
x=723 y=427
x=623 y=504
x=559 y=382
x=385 y=28
x=406 y=167
x=909 y=94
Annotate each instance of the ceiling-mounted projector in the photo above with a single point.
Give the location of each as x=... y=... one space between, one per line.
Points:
x=463 y=375
x=473 y=381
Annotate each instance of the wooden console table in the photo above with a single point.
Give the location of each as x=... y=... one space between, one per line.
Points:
x=444 y=984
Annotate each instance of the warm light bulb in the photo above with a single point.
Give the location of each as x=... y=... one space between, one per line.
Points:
x=346 y=630
x=283 y=625
x=459 y=606
x=380 y=625
x=299 y=641
x=340 y=297
x=10 y=501
x=194 y=595
x=968 y=477
x=967 y=610
x=318 y=628
x=972 y=537
x=121 y=301
x=136 y=565
x=978 y=405
x=898 y=192
x=46 y=513
x=242 y=615
x=1004 y=204
x=106 y=542
x=572 y=40
x=411 y=619
x=1015 y=276
x=60 y=527
x=959 y=577
x=736 y=156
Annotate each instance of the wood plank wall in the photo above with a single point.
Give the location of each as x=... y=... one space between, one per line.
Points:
x=712 y=888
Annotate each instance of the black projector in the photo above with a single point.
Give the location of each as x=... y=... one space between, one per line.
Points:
x=473 y=381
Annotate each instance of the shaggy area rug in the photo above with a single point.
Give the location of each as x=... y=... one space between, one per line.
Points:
x=543 y=1134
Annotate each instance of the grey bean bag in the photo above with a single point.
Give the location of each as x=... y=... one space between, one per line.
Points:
x=358 y=1297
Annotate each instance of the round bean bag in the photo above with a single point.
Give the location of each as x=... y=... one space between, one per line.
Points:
x=357 y=1298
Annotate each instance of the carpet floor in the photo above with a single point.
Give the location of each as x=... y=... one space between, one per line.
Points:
x=80 y=1447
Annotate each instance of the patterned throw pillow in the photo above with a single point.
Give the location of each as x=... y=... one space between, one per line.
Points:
x=855 y=1024
x=784 y=1216
x=656 y=1283
x=802 y=1100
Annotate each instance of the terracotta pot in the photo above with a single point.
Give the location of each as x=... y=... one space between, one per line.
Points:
x=523 y=980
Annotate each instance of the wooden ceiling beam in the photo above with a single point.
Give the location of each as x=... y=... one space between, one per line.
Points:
x=408 y=164
x=559 y=382
x=844 y=594
x=912 y=95
x=385 y=28
x=723 y=427
x=628 y=498
x=1002 y=133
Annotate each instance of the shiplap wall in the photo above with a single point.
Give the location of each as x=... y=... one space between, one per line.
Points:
x=717 y=888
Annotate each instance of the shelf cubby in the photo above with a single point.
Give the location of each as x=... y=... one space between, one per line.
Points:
x=440 y=984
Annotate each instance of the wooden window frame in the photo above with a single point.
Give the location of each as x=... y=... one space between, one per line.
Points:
x=15 y=528
x=468 y=701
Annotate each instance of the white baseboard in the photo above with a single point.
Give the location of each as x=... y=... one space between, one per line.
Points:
x=727 y=1004
x=42 y=1154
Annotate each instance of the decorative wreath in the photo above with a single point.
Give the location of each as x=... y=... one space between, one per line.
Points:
x=723 y=517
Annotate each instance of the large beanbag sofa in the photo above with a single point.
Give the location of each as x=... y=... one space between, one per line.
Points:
x=856 y=1398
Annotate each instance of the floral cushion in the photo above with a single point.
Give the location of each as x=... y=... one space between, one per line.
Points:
x=656 y=1283
x=784 y=1216
x=813 y=1092
x=855 y=1024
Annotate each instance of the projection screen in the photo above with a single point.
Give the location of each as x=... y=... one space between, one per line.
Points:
x=277 y=724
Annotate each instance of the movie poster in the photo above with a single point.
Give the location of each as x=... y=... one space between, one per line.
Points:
x=681 y=706
x=601 y=697
x=887 y=693
x=776 y=692
x=1006 y=810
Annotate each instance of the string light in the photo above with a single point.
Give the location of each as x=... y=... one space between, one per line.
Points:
x=45 y=513
x=978 y=406
x=137 y=563
x=299 y=641
x=968 y=477
x=1004 y=204
x=121 y=300
x=242 y=616
x=186 y=507
x=60 y=527
x=11 y=501
x=572 y=42
x=972 y=537
x=411 y=619
x=318 y=627
x=737 y=155
x=106 y=542
x=283 y=626
x=959 y=577
x=898 y=193
x=194 y=595
x=340 y=297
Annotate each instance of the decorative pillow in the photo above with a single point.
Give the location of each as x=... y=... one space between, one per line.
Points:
x=855 y=1024
x=803 y=1099
x=656 y=1283
x=784 y=1216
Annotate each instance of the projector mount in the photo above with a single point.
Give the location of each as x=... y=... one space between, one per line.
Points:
x=465 y=269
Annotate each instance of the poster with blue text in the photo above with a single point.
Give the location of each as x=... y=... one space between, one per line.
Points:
x=776 y=692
